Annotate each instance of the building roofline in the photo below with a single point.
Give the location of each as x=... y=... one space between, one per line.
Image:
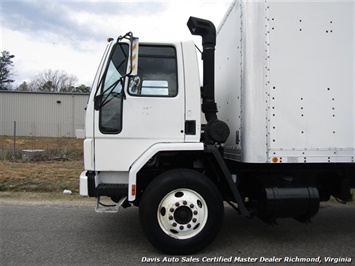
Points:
x=45 y=92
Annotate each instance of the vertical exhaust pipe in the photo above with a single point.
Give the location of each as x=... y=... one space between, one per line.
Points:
x=207 y=31
x=216 y=130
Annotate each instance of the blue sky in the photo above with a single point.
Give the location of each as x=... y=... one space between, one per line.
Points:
x=71 y=35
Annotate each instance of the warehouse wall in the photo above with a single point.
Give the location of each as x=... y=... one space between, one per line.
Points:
x=42 y=114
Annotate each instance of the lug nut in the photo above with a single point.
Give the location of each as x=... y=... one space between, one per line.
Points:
x=194 y=220
x=181 y=227
x=185 y=202
x=171 y=217
x=192 y=206
x=195 y=212
x=189 y=226
x=174 y=224
x=172 y=210
x=177 y=204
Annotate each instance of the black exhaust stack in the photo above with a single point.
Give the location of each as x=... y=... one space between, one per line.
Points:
x=216 y=130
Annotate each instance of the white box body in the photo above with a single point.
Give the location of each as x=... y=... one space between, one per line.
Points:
x=285 y=81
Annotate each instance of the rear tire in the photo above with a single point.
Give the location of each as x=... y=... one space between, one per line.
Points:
x=181 y=212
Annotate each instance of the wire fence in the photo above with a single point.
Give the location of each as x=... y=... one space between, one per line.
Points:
x=31 y=148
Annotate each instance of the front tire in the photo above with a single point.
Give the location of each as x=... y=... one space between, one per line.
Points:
x=181 y=212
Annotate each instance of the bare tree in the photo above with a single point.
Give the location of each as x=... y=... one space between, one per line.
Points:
x=23 y=87
x=82 y=89
x=53 y=81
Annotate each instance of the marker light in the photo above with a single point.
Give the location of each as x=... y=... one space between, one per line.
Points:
x=133 y=190
x=275 y=159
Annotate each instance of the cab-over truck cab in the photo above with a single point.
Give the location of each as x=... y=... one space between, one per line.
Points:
x=143 y=142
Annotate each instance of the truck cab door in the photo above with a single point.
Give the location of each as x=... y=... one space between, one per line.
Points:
x=139 y=111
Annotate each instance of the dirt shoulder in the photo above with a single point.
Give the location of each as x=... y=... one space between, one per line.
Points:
x=45 y=198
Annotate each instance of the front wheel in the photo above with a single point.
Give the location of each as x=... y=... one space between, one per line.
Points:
x=181 y=211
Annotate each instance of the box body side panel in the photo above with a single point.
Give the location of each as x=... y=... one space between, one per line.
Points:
x=311 y=66
x=228 y=69
x=241 y=82
x=285 y=81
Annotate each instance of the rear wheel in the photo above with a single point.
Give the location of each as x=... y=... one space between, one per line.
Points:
x=181 y=211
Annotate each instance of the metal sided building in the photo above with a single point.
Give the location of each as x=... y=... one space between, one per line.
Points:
x=42 y=114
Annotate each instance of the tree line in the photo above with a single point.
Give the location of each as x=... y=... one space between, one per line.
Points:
x=46 y=81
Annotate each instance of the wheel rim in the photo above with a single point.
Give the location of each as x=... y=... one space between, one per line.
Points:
x=182 y=213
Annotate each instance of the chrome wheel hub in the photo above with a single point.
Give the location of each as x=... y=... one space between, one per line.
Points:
x=182 y=213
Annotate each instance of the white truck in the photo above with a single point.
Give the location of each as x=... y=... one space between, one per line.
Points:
x=281 y=75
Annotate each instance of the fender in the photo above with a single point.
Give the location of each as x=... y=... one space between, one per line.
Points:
x=144 y=158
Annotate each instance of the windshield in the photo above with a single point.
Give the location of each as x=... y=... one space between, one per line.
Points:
x=117 y=67
x=111 y=105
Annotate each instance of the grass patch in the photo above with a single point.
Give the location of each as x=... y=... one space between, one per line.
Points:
x=40 y=176
x=59 y=169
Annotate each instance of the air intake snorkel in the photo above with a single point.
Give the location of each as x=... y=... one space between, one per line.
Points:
x=216 y=130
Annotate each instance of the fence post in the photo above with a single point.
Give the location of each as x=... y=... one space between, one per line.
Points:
x=14 y=154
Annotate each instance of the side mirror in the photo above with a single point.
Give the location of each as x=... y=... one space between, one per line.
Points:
x=132 y=67
x=134 y=84
x=98 y=102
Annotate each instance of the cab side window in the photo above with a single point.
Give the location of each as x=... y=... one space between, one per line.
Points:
x=157 y=71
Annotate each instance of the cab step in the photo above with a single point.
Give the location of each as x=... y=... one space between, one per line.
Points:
x=103 y=208
x=111 y=190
